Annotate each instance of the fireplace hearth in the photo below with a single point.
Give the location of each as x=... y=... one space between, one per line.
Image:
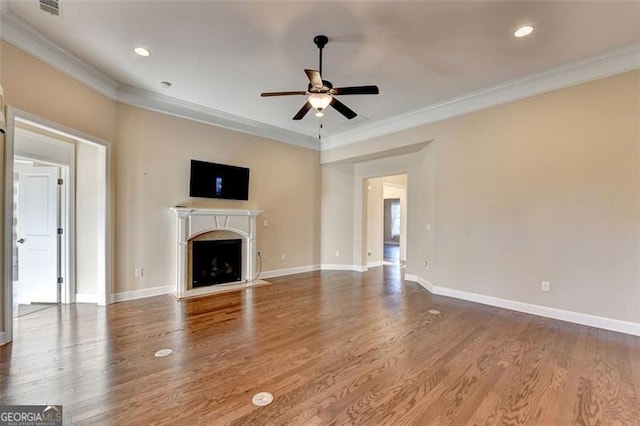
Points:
x=216 y=262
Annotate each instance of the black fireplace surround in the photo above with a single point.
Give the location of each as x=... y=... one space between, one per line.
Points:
x=216 y=262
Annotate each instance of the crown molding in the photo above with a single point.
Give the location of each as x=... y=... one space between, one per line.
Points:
x=600 y=66
x=156 y=102
x=26 y=37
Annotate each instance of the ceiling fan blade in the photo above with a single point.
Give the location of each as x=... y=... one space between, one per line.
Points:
x=315 y=78
x=343 y=109
x=303 y=111
x=266 y=94
x=357 y=90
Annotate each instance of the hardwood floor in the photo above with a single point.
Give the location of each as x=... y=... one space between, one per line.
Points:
x=334 y=348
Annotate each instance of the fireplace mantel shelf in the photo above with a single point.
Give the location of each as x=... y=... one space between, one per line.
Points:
x=192 y=222
x=190 y=211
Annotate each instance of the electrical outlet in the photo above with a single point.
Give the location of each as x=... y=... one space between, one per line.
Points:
x=283 y=257
x=369 y=253
x=426 y=263
x=337 y=253
x=545 y=286
x=259 y=252
x=138 y=272
x=266 y=223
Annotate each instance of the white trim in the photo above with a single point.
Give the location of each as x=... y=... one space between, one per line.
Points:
x=289 y=271
x=191 y=222
x=7 y=257
x=600 y=66
x=105 y=242
x=67 y=205
x=612 y=324
x=417 y=279
x=86 y=298
x=219 y=288
x=179 y=108
x=141 y=293
x=26 y=37
x=17 y=32
x=190 y=211
x=341 y=267
x=375 y=263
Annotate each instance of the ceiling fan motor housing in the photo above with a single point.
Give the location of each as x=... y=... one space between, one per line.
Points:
x=326 y=87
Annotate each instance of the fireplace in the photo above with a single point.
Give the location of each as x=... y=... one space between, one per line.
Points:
x=216 y=262
x=214 y=247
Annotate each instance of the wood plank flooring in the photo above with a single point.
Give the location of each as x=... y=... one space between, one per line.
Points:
x=334 y=348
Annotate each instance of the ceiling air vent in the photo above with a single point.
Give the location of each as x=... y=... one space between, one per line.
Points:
x=51 y=6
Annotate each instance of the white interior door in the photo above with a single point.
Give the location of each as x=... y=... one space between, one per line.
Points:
x=37 y=234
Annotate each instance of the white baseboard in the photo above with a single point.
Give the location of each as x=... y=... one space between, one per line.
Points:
x=86 y=298
x=604 y=323
x=341 y=267
x=288 y=271
x=139 y=294
x=375 y=263
x=417 y=279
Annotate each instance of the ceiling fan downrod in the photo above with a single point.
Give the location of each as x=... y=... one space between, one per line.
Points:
x=320 y=41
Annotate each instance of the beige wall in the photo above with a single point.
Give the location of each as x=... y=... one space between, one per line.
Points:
x=152 y=159
x=150 y=169
x=546 y=188
x=35 y=87
x=337 y=214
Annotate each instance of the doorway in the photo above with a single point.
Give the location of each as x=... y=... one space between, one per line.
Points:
x=386 y=220
x=392 y=221
x=39 y=221
x=57 y=172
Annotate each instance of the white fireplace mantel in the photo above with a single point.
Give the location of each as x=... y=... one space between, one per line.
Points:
x=192 y=222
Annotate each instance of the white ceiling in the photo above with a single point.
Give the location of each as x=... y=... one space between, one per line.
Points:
x=222 y=55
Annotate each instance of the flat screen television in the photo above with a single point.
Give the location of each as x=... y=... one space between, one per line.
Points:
x=211 y=180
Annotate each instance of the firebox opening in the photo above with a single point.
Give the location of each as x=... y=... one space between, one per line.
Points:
x=216 y=262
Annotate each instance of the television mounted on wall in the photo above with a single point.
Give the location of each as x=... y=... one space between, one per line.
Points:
x=211 y=180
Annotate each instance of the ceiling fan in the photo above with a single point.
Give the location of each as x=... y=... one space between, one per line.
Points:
x=321 y=93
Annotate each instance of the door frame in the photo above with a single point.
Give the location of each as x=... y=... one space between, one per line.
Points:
x=66 y=221
x=104 y=211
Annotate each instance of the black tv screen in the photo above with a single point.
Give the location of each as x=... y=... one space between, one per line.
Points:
x=211 y=180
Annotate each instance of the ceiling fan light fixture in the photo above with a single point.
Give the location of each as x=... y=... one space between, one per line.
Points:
x=319 y=101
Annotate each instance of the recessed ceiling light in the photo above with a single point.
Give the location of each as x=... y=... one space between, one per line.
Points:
x=523 y=31
x=165 y=84
x=142 y=51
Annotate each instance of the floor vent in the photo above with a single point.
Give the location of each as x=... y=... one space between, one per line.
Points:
x=261 y=399
x=163 y=352
x=51 y=6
